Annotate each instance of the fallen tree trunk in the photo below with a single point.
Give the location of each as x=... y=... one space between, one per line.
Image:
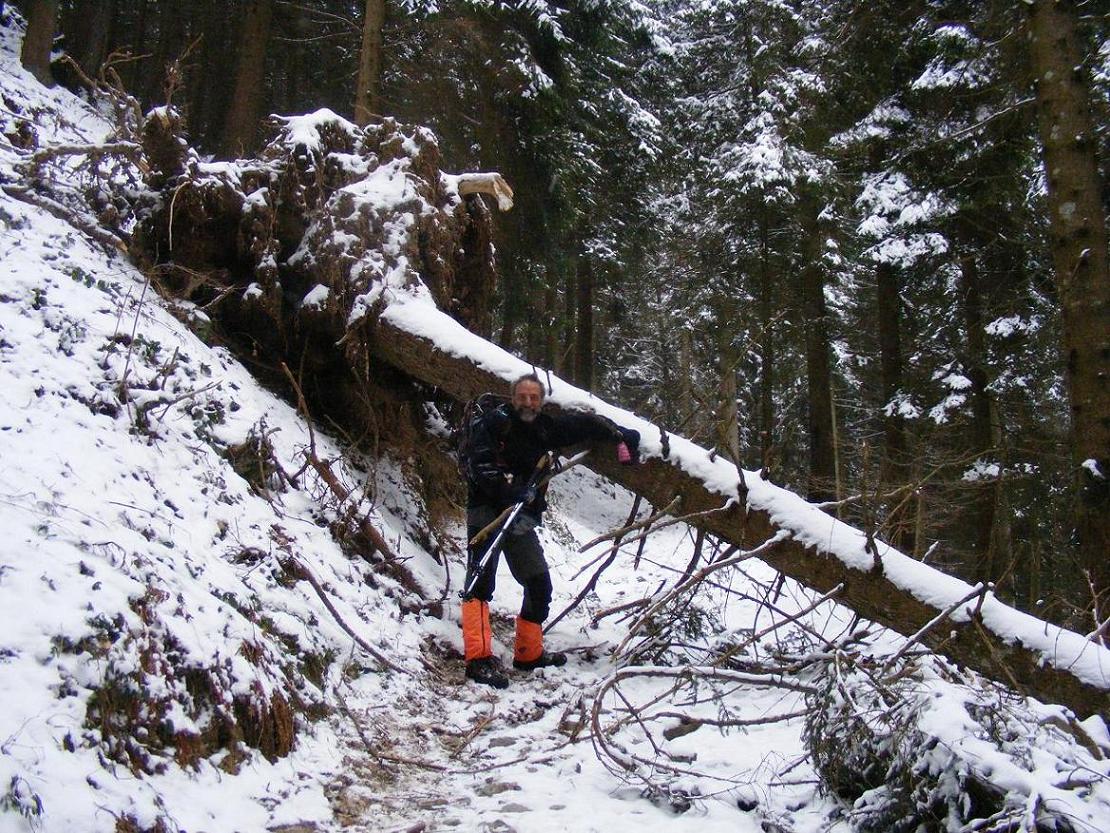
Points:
x=879 y=583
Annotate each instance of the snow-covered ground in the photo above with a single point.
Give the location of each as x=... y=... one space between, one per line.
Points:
x=133 y=552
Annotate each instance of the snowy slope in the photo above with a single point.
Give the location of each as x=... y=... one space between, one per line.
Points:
x=150 y=597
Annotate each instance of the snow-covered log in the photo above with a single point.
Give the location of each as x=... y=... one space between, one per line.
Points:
x=880 y=583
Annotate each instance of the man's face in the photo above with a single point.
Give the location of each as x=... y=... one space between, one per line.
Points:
x=527 y=400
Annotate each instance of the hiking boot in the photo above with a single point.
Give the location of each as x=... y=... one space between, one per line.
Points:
x=548 y=659
x=486 y=671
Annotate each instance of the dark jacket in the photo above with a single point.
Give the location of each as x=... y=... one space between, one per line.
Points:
x=505 y=450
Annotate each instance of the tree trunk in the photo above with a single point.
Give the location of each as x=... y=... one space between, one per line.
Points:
x=171 y=16
x=684 y=386
x=895 y=469
x=551 y=322
x=241 y=126
x=91 y=27
x=210 y=96
x=584 y=324
x=728 y=427
x=1080 y=262
x=510 y=302
x=982 y=507
x=1047 y=667
x=38 y=43
x=566 y=364
x=766 y=350
x=368 y=92
x=822 y=453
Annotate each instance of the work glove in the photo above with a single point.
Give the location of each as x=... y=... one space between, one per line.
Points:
x=628 y=449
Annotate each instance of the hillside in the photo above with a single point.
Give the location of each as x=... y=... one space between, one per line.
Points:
x=198 y=635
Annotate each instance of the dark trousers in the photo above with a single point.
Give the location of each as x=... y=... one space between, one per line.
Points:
x=524 y=556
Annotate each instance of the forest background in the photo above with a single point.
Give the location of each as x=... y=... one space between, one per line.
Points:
x=858 y=245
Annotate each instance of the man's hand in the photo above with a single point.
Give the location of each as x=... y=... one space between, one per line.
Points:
x=525 y=495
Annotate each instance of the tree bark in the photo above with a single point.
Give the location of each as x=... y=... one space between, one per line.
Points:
x=895 y=470
x=38 y=42
x=550 y=321
x=808 y=558
x=822 y=452
x=766 y=349
x=171 y=28
x=728 y=426
x=684 y=380
x=584 y=320
x=566 y=363
x=241 y=126
x=91 y=28
x=368 y=92
x=983 y=505
x=1081 y=264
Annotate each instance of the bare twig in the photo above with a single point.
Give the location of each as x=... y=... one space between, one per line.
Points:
x=695 y=579
x=629 y=526
x=183 y=397
x=94 y=230
x=328 y=476
x=621 y=608
x=623 y=762
x=475 y=730
x=690 y=723
x=735 y=649
x=678 y=519
x=978 y=591
x=301 y=570
x=592 y=583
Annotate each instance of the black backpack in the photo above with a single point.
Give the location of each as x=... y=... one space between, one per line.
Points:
x=473 y=412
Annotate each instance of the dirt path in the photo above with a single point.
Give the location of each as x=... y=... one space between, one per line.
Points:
x=454 y=755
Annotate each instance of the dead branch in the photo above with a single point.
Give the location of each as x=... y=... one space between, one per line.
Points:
x=475 y=730
x=132 y=151
x=735 y=649
x=687 y=724
x=617 y=542
x=678 y=519
x=979 y=591
x=592 y=583
x=300 y=569
x=94 y=230
x=694 y=580
x=622 y=762
x=629 y=527
x=177 y=400
x=635 y=604
x=328 y=476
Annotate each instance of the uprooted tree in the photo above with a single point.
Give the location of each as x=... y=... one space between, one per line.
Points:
x=346 y=253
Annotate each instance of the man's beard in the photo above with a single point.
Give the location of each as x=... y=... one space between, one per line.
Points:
x=526 y=414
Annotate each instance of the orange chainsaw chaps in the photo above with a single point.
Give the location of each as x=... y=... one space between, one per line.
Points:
x=477 y=639
x=529 y=641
